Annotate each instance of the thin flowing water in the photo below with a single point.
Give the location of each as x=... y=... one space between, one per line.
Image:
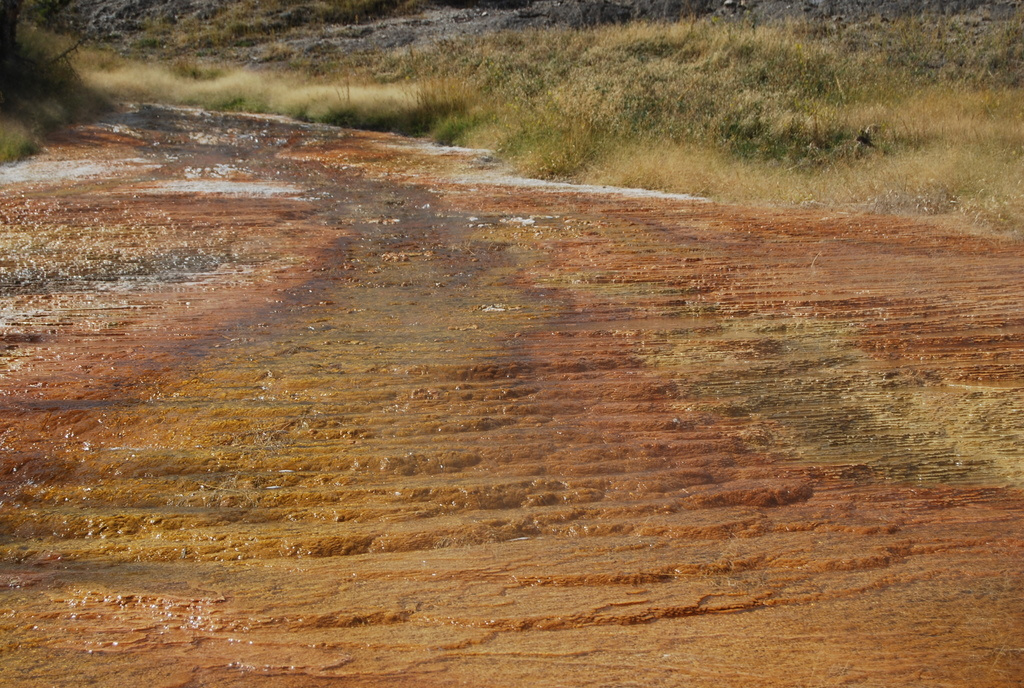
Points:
x=285 y=405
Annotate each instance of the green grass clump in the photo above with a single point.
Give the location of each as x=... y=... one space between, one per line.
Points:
x=16 y=141
x=751 y=93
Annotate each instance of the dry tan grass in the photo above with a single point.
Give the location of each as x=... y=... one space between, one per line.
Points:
x=951 y=147
x=965 y=183
x=416 y=107
x=906 y=118
x=291 y=94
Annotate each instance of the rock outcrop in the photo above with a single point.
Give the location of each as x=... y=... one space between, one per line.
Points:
x=120 y=19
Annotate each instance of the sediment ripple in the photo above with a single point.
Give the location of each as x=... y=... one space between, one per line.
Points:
x=320 y=412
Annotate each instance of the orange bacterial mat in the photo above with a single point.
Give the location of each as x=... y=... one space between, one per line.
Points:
x=286 y=405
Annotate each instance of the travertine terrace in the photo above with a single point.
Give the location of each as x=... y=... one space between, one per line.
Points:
x=292 y=406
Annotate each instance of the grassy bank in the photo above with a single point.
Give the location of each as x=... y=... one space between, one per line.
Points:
x=40 y=93
x=416 y=108
x=923 y=115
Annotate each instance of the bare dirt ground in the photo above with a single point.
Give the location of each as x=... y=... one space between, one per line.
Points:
x=291 y=406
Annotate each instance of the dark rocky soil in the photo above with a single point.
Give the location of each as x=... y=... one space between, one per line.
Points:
x=121 y=19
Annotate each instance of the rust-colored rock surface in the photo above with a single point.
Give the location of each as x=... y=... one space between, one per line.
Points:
x=284 y=405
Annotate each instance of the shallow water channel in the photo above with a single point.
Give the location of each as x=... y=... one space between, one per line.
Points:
x=286 y=405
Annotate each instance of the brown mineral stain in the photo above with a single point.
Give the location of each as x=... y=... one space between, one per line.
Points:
x=285 y=405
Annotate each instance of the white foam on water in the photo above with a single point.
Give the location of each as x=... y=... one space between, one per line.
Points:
x=224 y=187
x=566 y=187
x=36 y=171
x=439 y=149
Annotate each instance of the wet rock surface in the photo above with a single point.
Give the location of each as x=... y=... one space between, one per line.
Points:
x=285 y=405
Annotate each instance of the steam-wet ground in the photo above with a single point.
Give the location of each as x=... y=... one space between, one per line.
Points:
x=292 y=406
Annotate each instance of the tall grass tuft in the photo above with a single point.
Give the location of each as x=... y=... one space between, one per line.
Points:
x=434 y=106
x=16 y=141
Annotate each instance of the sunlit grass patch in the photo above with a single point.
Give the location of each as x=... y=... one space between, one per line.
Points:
x=16 y=141
x=409 y=107
x=933 y=124
x=977 y=184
